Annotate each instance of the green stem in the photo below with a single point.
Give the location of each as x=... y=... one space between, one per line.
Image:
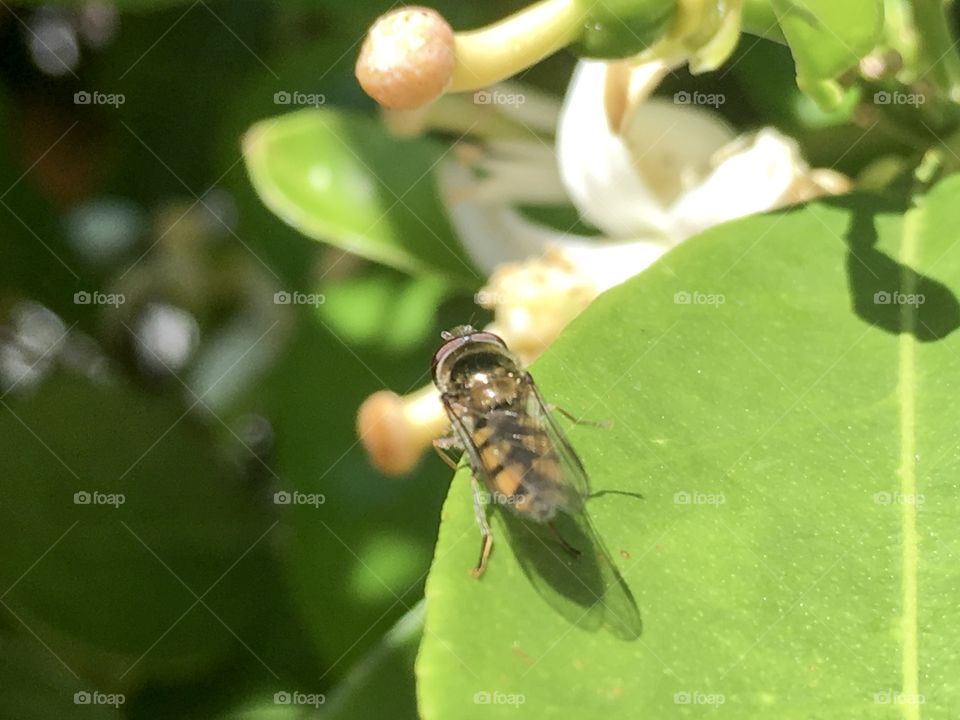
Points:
x=938 y=60
x=498 y=51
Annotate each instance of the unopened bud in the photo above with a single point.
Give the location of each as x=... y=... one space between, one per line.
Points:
x=407 y=58
x=396 y=430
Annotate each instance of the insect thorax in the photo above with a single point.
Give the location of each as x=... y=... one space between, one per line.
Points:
x=484 y=380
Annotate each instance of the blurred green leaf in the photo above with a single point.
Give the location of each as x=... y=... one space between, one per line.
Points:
x=35 y=259
x=381 y=684
x=780 y=388
x=114 y=585
x=383 y=308
x=35 y=685
x=163 y=140
x=243 y=686
x=828 y=38
x=340 y=178
x=356 y=562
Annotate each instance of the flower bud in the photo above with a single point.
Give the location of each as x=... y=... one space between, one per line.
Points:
x=396 y=430
x=407 y=58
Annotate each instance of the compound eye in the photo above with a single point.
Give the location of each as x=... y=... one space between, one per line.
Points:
x=444 y=350
x=487 y=337
x=456 y=341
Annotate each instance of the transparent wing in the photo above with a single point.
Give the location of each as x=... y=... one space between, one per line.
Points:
x=574 y=473
x=463 y=427
x=586 y=589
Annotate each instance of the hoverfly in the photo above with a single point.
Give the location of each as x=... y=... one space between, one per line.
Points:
x=513 y=443
x=526 y=463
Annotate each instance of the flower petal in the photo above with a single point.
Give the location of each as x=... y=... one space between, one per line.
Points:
x=752 y=175
x=624 y=157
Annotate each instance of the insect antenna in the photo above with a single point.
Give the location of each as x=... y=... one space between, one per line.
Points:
x=627 y=493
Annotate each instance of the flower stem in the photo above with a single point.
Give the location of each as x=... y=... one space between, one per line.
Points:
x=501 y=50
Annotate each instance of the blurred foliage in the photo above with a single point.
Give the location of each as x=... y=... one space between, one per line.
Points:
x=198 y=596
x=257 y=561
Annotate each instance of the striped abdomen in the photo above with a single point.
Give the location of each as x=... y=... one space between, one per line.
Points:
x=519 y=464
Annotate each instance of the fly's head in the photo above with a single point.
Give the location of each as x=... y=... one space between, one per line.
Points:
x=477 y=371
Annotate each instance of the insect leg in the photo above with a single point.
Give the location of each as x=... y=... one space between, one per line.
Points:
x=566 y=546
x=447 y=443
x=606 y=424
x=550 y=407
x=481 y=514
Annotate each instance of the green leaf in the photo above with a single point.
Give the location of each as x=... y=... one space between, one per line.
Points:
x=340 y=178
x=828 y=38
x=362 y=555
x=382 y=308
x=34 y=685
x=790 y=424
x=381 y=684
x=117 y=515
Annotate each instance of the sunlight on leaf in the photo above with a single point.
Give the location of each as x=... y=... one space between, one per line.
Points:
x=780 y=392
